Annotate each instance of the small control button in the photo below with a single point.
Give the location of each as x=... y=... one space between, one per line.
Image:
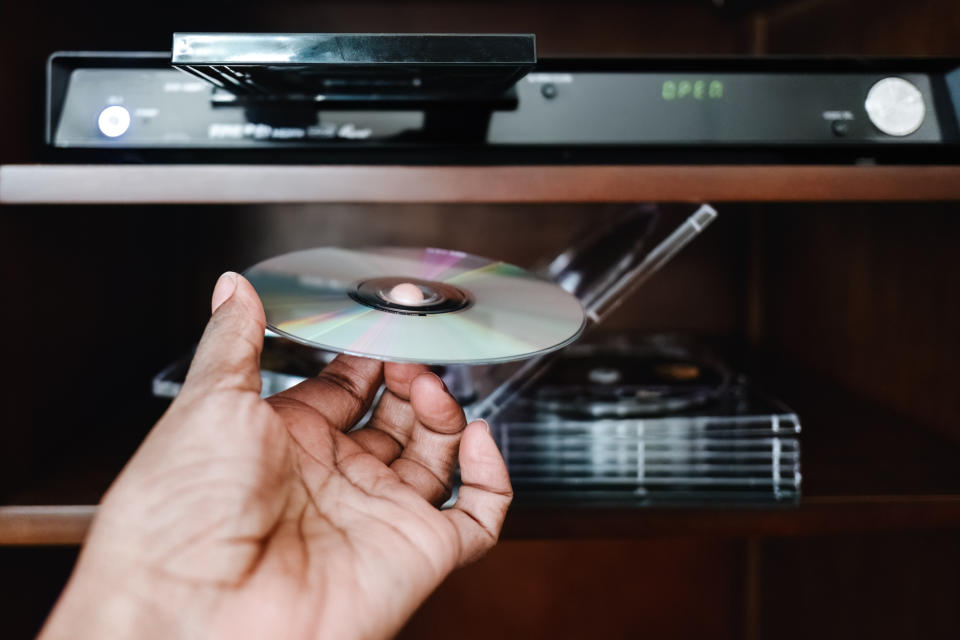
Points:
x=840 y=128
x=548 y=90
x=895 y=106
x=114 y=121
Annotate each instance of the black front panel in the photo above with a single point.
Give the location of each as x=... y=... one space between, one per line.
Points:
x=702 y=108
x=568 y=109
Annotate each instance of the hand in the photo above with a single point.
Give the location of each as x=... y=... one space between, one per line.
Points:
x=241 y=517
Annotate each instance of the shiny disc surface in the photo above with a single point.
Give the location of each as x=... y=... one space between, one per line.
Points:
x=474 y=311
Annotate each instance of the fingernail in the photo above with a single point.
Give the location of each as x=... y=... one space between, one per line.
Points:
x=442 y=383
x=485 y=425
x=226 y=285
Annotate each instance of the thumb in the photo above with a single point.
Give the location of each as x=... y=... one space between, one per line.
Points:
x=228 y=356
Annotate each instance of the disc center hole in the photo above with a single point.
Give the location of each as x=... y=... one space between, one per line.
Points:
x=409 y=294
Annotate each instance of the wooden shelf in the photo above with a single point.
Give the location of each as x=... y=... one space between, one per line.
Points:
x=814 y=516
x=224 y=184
x=42 y=525
x=865 y=469
x=45 y=524
x=39 y=525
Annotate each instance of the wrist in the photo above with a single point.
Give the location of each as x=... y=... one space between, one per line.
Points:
x=94 y=607
x=107 y=597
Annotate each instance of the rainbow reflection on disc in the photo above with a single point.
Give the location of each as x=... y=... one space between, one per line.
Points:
x=463 y=309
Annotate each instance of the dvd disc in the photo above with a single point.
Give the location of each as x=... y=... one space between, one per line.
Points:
x=430 y=306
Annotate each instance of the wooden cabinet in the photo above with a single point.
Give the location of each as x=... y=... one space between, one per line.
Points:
x=835 y=287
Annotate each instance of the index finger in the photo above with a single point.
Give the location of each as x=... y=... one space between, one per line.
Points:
x=399 y=375
x=341 y=393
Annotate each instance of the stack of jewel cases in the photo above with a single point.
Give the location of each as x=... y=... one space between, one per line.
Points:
x=648 y=422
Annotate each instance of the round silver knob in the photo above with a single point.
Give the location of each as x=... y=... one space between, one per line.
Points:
x=895 y=106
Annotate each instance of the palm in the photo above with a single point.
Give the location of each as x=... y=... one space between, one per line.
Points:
x=266 y=518
x=359 y=511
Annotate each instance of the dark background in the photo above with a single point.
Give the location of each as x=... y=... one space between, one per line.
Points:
x=846 y=311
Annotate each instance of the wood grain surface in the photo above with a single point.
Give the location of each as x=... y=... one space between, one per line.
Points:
x=223 y=184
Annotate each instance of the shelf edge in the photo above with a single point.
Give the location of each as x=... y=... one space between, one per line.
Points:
x=249 y=184
x=51 y=525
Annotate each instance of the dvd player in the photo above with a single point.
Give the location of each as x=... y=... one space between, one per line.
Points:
x=487 y=98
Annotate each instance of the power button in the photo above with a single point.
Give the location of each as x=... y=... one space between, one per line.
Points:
x=114 y=121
